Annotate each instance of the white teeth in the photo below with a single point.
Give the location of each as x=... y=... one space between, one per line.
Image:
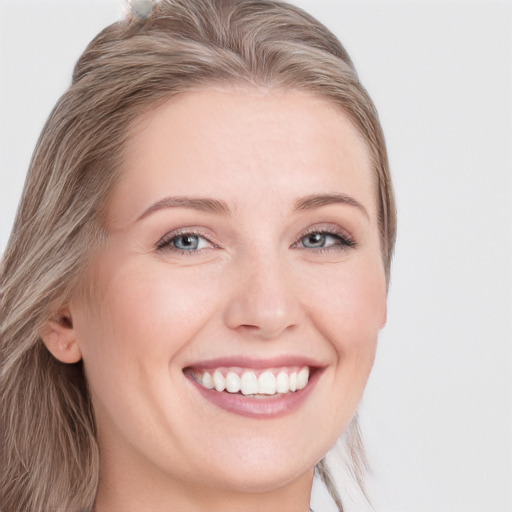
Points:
x=293 y=381
x=219 y=381
x=249 y=384
x=232 y=382
x=302 y=378
x=207 y=381
x=282 y=382
x=267 y=383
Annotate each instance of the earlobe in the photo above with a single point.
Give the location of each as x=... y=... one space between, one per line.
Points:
x=59 y=337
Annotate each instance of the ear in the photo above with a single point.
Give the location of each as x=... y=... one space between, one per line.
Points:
x=59 y=337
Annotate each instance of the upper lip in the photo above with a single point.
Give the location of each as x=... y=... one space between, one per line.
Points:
x=256 y=362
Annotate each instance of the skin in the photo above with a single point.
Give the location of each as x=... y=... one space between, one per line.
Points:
x=254 y=288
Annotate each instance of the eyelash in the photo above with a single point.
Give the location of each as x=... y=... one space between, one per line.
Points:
x=343 y=241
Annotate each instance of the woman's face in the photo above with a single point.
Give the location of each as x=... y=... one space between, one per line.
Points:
x=242 y=251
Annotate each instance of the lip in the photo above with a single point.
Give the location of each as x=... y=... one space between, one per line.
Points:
x=256 y=363
x=259 y=408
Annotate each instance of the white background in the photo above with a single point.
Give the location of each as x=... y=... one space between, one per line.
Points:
x=437 y=414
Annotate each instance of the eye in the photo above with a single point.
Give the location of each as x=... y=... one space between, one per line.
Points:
x=185 y=242
x=318 y=240
x=188 y=242
x=325 y=240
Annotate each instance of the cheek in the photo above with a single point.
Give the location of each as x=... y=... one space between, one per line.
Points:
x=355 y=310
x=144 y=313
x=143 y=319
x=351 y=320
x=347 y=304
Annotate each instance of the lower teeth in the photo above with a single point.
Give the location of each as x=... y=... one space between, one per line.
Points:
x=254 y=396
x=260 y=396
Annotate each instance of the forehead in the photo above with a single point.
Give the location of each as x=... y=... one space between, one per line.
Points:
x=240 y=144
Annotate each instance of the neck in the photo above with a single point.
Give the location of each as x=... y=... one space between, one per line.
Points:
x=130 y=496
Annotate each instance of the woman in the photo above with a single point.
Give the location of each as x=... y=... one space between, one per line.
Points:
x=195 y=282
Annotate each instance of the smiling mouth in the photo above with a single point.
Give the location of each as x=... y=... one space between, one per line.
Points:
x=252 y=383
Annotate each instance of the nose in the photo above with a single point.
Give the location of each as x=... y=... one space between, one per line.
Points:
x=262 y=303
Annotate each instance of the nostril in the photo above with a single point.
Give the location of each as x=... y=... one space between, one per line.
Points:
x=266 y=330
x=262 y=302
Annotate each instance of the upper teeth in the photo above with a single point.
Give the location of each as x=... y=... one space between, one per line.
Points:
x=249 y=382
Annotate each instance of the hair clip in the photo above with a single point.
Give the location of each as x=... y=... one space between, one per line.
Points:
x=142 y=9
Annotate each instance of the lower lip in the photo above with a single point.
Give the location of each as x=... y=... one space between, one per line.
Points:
x=263 y=408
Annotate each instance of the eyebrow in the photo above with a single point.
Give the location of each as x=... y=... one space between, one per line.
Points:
x=210 y=205
x=203 y=204
x=318 y=200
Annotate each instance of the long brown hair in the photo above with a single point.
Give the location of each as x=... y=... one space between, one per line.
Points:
x=50 y=456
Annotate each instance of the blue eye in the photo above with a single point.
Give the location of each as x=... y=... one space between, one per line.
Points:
x=184 y=242
x=315 y=240
x=323 y=240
